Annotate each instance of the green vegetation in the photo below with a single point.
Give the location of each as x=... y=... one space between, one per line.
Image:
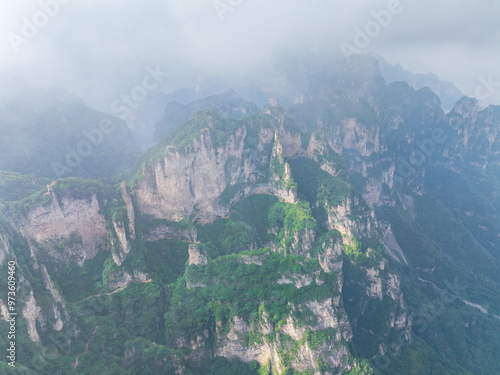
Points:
x=76 y=282
x=316 y=185
x=360 y=254
x=78 y=188
x=443 y=335
x=217 y=125
x=166 y=259
x=222 y=366
x=227 y=236
x=352 y=250
x=256 y=124
x=229 y=281
x=15 y=186
x=229 y=192
x=18 y=209
x=71 y=187
x=247 y=227
x=447 y=227
x=146 y=223
x=290 y=219
x=279 y=168
x=226 y=104
x=361 y=368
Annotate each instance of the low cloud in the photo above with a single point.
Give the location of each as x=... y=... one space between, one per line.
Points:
x=99 y=50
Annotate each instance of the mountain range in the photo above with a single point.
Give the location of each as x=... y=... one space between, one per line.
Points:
x=348 y=226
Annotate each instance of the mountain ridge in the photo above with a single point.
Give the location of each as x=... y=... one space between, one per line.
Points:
x=302 y=238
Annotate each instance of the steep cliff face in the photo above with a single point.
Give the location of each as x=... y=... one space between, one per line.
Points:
x=352 y=136
x=313 y=332
x=253 y=242
x=41 y=306
x=291 y=339
x=317 y=230
x=475 y=135
x=280 y=174
x=185 y=181
x=202 y=177
x=385 y=133
x=124 y=235
x=309 y=334
x=120 y=248
x=73 y=225
x=4 y=248
x=130 y=209
x=350 y=220
x=170 y=230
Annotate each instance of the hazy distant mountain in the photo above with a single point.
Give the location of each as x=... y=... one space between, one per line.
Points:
x=447 y=91
x=142 y=121
x=227 y=104
x=353 y=230
x=52 y=133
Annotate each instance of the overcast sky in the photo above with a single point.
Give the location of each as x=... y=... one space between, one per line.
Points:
x=100 y=49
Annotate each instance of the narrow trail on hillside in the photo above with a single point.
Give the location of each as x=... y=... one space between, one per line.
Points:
x=109 y=293
x=86 y=348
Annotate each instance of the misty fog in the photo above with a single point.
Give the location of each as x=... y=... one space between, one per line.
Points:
x=101 y=50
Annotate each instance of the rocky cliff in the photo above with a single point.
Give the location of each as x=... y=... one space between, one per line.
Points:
x=294 y=240
x=202 y=177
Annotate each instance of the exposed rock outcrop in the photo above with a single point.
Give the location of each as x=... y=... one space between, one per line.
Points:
x=171 y=232
x=61 y=314
x=31 y=312
x=206 y=177
x=290 y=337
x=75 y=225
x=122 y=248
x=281 y=176
x=191 y=179
x=124 y=278
x=195 y=256
x=130 y=210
